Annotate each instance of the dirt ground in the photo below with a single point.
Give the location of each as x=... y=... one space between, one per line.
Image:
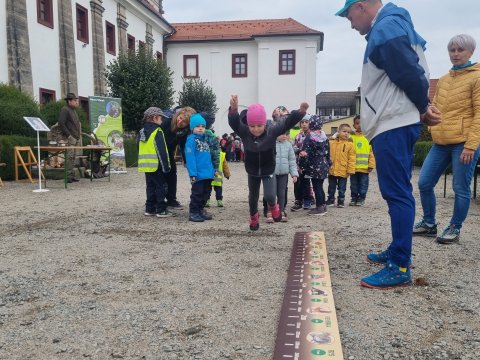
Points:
x=85 y=275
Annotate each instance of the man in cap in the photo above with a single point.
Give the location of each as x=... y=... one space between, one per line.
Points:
x=394 y=99
x=70 y=128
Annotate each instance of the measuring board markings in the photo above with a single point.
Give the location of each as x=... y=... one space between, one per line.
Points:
x=308 y=327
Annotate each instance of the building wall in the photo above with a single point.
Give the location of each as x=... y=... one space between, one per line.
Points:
x=263 y=84
x=3 y=44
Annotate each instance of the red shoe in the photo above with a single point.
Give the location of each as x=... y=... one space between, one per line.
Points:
x=276 y=214
x=254 y=223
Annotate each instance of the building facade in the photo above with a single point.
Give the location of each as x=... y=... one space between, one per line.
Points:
x=267 y=61
x=51 y=47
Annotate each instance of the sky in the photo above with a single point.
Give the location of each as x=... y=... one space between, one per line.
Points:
x=339 y=64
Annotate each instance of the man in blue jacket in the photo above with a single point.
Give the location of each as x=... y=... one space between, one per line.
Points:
x=394 y=99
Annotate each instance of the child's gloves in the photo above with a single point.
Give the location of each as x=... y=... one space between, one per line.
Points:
x=192 y=179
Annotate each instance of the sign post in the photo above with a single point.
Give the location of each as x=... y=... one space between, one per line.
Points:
x=38 y=125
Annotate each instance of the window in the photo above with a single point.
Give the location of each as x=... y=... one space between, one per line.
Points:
x=82 y=24
x=286 y=62
x=324 y=111
x=190 y=66
x=131 y=42
x=340 y=111
x=110 y=38
x=141 y=45
x=239 y=65
x=46 y=96
x=159 y=56
x=45 y=13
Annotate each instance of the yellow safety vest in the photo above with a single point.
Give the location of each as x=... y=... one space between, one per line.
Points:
x=218 y=180
x=362 y=147
x=147 y=154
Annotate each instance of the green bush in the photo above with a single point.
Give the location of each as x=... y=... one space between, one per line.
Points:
x=420 y=151
x=14 y=105
x=7 y=143
x=51 y=110
x=141 y=81
x=198 y=95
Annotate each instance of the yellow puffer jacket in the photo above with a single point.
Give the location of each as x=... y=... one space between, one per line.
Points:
x=342 y=154
x=458 y=98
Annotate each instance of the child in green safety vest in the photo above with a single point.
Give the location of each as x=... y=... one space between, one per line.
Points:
x=153 y=160
x=217 y=183
x=365 y=163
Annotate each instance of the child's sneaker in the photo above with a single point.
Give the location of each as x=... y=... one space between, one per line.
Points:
x=390 y=276
x=297 y=206
x=276 y=213
x=196 y=217
x=450 y=235
x=269 y=217
x=208 y=203
x=330 y=202
x=353 y=202
x=422 y=228
x=306 y=204
x=174 y=205
x=148 y=213
x=205 y=215
x=341 y=203
x=321 y=210
x=254 y=223
x=164 y=214
x=219 y=203
x=284 y=217
x=360 y=202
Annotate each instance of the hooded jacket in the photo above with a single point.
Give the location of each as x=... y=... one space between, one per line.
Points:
x=160 y=144
x=342 y=155
x=199 y=158
x=259 y=151
x=394 y=87
x=458 y=98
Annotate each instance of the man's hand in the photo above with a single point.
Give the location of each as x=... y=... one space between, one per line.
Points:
x=466 y=156
x=294 y=178
x=71 y=140
x=234 y=103
x=432 y=116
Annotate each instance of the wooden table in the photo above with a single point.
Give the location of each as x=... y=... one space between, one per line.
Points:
x=55 y=150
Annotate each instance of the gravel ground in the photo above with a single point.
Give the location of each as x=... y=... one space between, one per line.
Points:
x=85 y=275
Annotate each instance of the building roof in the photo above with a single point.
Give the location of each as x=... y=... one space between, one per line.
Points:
x=337 y=99
x=240 y=30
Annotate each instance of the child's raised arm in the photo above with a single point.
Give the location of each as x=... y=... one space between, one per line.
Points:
x=234 y=103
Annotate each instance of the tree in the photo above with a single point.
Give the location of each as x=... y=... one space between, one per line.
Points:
x=197 y=94
x=14 y=105
x=141 y=81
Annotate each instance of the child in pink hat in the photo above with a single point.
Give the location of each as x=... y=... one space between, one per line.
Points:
x=259 y=142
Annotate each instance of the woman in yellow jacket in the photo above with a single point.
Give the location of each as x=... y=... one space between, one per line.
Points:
x=342 y=155
x=456 y=140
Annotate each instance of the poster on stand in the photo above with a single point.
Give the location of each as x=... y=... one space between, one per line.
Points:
x=106 y=124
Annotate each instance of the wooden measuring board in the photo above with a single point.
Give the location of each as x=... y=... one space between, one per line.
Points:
x=308 y=327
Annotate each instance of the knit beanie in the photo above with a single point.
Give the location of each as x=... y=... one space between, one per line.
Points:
x=256 y=115
x=195 y=120
x=315 y=123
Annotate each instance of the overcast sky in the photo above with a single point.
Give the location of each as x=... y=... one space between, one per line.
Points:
x=339 y=64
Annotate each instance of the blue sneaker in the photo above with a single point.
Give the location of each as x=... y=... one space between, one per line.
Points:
x=390 y=276
x=380 y=258
x=307 y=204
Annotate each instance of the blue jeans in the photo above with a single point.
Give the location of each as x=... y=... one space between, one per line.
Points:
x=333 y=183
x=437 y=160
x=393 y=150
x=359 y=185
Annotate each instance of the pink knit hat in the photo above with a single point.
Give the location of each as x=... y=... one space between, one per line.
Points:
x=256 y=115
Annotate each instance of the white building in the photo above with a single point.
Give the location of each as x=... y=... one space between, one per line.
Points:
x=51 y=47
x=267 y=61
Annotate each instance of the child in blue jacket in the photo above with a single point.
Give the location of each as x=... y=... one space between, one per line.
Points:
x=200 y=168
